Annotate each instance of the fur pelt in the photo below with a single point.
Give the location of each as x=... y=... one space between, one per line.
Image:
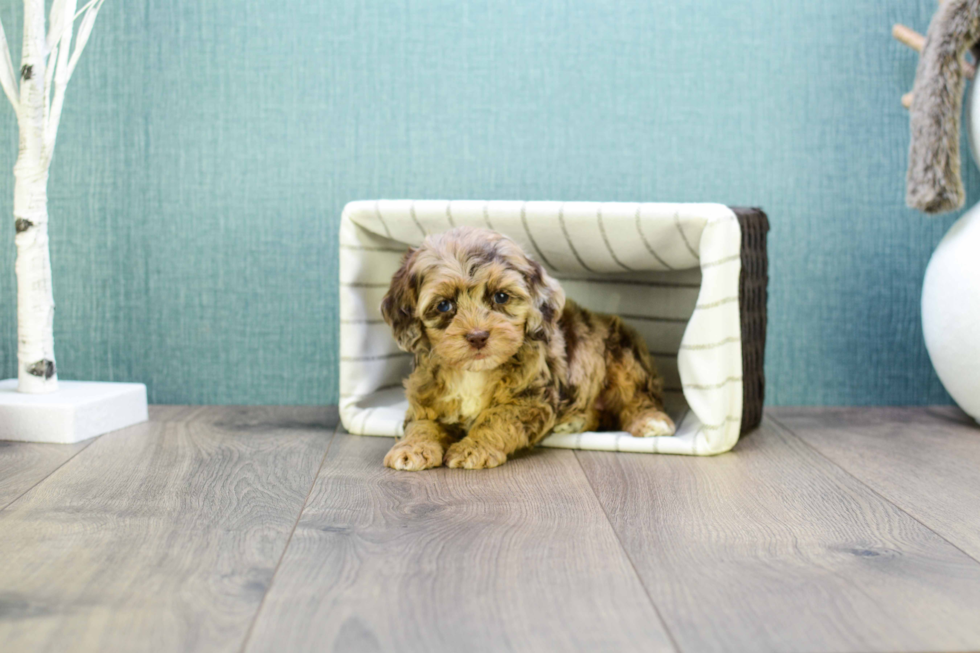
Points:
x=933 y=183
x=502 y=359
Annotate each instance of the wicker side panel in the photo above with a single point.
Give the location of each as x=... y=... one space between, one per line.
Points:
x=752 y=296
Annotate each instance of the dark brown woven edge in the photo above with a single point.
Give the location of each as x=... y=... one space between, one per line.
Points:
x=752 y=296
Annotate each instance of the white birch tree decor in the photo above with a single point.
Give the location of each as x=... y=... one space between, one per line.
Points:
x=47 y=63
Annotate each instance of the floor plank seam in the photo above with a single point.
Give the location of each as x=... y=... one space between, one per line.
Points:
x=636 y=573
x=289 y=540
x=50 y=474
x=869 y=488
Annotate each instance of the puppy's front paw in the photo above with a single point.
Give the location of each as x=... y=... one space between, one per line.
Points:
x=414 y=456
x=652 y=424
x=470 y=454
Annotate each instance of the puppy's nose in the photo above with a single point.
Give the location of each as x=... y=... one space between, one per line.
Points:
x=477 y=338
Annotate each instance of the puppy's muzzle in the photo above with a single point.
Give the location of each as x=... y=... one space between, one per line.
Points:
x=477 y=339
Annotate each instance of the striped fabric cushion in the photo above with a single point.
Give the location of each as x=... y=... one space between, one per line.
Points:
x=670 y=270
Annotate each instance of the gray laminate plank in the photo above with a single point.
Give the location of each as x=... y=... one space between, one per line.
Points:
x=168 y=413
x=160 y=537
x=24 y=464
x=516 y=558
x=924 y=460
x=773 y=548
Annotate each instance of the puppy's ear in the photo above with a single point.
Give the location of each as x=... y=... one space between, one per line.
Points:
x=547 y=299
x=399 y=304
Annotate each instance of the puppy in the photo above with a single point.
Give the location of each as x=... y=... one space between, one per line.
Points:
x=502 y=359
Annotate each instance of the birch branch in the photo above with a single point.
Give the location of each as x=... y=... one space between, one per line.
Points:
x=48 y=78
x=84 y=31
x=56 y=32
x=66 y=65
x=60 y=25
x=8 y=79
x=57 y=21
x=36 y=368
x=65 y=17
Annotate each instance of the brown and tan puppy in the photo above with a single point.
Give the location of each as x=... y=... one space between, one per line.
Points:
x=502 y=359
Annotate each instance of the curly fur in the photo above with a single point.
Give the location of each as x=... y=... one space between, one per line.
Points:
x=933 y=182
x=546 y=363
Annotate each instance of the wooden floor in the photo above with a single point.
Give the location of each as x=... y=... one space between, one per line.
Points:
x=269 y=529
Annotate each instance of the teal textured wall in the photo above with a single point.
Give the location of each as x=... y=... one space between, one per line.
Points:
x=207 y=149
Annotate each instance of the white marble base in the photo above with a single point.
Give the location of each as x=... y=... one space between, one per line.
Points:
x=78 y=410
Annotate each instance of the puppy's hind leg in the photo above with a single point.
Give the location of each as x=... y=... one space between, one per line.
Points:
x=640 y=412
x=650 y=422
x=634 y=391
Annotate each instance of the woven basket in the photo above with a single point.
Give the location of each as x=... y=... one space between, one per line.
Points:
x=752 y=298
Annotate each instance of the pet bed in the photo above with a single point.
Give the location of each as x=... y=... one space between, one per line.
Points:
x=691 y=278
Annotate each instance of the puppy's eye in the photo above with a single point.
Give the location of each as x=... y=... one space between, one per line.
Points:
x=444 y=306
x=500 y=298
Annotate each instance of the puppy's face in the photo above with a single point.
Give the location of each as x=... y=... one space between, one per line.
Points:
x=470 y=297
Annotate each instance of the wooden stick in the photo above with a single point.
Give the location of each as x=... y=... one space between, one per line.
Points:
x=908 y=36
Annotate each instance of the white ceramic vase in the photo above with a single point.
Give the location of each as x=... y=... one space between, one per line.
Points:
x=951 y=295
